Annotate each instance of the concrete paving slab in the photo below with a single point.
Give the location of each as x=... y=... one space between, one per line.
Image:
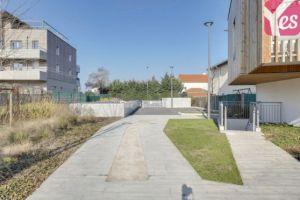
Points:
x=268 y=172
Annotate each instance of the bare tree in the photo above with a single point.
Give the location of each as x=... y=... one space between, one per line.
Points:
x=98 y=79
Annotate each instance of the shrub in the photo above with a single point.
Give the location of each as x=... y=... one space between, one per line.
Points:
x=17 y=137
x=37 y=110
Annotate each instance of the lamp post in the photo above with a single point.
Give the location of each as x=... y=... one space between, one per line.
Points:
x=147 y=84
x=209 y=25
x=172 y=68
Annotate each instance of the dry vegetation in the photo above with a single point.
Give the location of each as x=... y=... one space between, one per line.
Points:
x=285 y=136
x=45 y=135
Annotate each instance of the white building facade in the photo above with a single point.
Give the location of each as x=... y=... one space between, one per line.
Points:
x=268 y=59
x=220 y=83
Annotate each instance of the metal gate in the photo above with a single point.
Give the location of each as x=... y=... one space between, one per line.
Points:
x=252 y=114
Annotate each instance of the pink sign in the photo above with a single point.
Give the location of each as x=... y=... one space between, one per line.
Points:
x=282 y=17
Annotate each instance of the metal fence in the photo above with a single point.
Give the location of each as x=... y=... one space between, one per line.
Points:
x=269 y=112
x=11 y=101
x=216 y=99
x=237 y=109
x=255 y=112
x=245 y=98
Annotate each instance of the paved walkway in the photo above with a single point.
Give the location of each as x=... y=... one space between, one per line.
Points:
x=268 y=172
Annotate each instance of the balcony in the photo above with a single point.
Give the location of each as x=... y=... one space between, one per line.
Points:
x=23 y=54
x=77 y=69
x=25 y=75
x=255 y=55
x=286 y=51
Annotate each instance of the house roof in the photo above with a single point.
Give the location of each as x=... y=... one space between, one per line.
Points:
x=196 y=90
x=221 y=64
x=193 y=78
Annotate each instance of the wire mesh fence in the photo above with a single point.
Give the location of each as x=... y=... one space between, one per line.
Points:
x=18 y=102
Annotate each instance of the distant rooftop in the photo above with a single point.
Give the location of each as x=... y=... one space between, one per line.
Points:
x=193 y=78
x=34 y=24
x=41 y=24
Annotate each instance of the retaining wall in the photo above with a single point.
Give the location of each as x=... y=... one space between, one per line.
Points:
x=100 y=109
x=177 y=102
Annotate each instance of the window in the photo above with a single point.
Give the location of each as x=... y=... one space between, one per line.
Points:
x=57 y=68
x=35 y=44
x=57 y=51
x=17 y=67
x=16 y=44
x=70 y=58
x=35 y=65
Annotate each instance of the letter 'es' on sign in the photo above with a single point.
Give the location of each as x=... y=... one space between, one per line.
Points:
x=282 y=17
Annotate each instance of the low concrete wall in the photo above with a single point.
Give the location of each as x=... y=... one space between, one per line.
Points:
x=237 y=124
x=131 y=106
x=177 y=102
x=100 y=109
x=152 y=104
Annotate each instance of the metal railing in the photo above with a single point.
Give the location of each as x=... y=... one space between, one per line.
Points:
x=256 y=112
x=284 y=51
x=269 y=112
x=237 y=109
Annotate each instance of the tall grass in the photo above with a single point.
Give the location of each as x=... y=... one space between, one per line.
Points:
x=29 y=111
x=34 y=123
x=38 y=110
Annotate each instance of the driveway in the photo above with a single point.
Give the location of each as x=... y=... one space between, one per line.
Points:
x=166 y=111
x=133 y=159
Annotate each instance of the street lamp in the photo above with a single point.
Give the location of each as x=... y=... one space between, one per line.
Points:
x=172 y=68
x=208 y=25
x=147 y=84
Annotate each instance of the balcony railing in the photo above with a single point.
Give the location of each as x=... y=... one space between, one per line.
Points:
x=285 y=50
x=23 y=75
x=23 y=54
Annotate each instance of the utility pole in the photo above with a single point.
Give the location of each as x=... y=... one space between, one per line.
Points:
x=147 y=84
x=1 y=30
x=172 y=96
x=209 y=25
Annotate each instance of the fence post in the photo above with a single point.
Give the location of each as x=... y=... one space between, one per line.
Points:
x=221 y=114
x=257 y=120
x=254 y=120
x=225 y=118
x=10 y=107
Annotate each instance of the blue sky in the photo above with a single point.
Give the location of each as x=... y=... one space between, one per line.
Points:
x=125 y=36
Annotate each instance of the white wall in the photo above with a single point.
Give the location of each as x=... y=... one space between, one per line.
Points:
x=288 y=93
x=177 y=102
x=220 y=83
x=100 y=109
x=130 y=107
x=195 y=85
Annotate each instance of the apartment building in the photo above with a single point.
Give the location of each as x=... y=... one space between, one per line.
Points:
x=36 y=58
x=264 y=50
x=220 y=84
x=195 y=85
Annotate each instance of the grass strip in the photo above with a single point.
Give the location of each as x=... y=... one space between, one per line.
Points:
x=285 y=136
x=205 y=148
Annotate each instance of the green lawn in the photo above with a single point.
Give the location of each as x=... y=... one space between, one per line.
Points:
x=285 y=136
x=205 y=148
